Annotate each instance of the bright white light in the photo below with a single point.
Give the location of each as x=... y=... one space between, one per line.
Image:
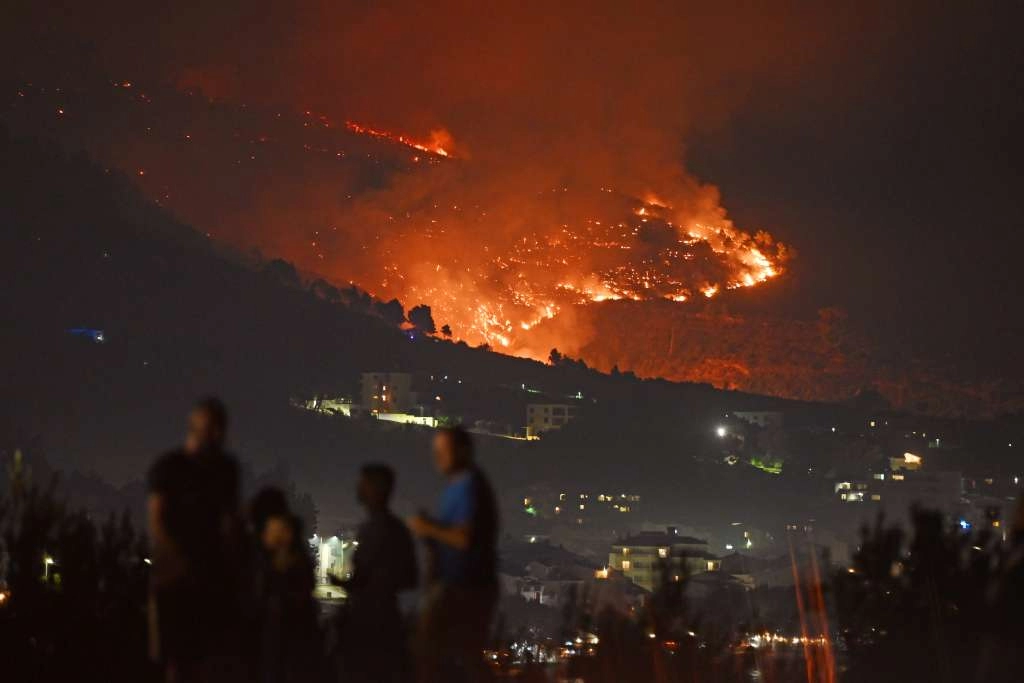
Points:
x=721 y=432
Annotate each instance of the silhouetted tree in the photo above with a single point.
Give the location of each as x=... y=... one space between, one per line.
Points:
x=555 y=357
x=357 y=299
x=76 y=606
x=446 y=330
x=390 y=311
x=326 y=291
x=283 y=272
x=935 y=605
x=422 y=319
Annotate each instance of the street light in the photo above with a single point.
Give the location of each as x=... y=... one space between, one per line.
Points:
x=47 y=561
x=721 y=432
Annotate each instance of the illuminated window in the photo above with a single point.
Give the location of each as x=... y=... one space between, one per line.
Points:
x=626 y=565
x=876 y=496
x=911 y=461
x=662 y=552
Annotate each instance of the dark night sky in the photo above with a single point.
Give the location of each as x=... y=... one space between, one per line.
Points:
x=904 y=193
x=881 y=140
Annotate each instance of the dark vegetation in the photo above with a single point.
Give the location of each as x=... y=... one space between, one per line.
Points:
x=74 y=600
x=938 y=603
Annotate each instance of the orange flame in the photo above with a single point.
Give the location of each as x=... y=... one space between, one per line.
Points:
x=440 y=142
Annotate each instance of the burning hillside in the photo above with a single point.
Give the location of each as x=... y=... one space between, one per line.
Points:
x=492 y=271
x=493 y=248
x=493 y=283
x=508 y=254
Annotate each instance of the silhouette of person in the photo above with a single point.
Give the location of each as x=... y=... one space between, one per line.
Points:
x=288 y=641
x=371 y=632
x=195 y=610
x=462 y=544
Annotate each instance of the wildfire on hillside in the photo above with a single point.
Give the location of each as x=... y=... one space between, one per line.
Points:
x=492 y=273
x=495 y=244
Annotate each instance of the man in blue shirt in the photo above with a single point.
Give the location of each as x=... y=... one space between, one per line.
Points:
x=463 y=582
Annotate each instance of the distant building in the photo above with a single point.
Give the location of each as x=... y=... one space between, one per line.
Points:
x=763 y=418
x=332 y=556
x=332 y=406
x=652 y=557
x=544 y=417
x=409 y=419
x=387 y=392
x=899 y=489
x=907 y=461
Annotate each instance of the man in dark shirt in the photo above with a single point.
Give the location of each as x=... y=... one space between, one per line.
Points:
x=462 y=541
x=195 y=531
x=384 y=564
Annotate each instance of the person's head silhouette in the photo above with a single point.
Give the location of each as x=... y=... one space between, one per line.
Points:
x=376 y=482
x=453 y=450
x=207 y=426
